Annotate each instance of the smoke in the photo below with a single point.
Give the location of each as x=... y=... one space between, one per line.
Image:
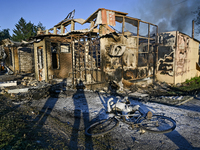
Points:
x=169 y=15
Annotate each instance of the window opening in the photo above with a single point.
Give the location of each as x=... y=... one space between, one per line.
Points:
x=65 y=48
x=10 y=53
x=40 y=57
x=55 y=55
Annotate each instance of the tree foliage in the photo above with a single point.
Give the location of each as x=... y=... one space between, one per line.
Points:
x=4 y=34
x=24 y=30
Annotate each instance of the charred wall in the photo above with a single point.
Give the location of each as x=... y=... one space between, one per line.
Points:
x=19 y=59
x=177 y=57
x=166 y=50
x=166 y=56
x=127 y=57
x=40 y=63
x=7 y=60
x=11 y=56
x=59 y=60
x=86 y=59
x=187 y=55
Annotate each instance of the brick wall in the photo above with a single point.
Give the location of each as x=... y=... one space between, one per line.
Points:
x=26 y=59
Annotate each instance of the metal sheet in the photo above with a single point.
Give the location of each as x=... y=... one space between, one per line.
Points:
x=94 y=15
x=108 y=17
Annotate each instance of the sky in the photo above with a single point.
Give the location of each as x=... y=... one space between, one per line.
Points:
x=169 y=15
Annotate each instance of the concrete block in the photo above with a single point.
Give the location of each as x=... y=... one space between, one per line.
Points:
x=18 y=90
x=9 y=83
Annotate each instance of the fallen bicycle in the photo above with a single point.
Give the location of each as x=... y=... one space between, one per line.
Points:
x=134 y=117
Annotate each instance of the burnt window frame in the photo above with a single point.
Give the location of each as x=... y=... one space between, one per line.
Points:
x=57 y=52
x=10 y=57
x=40 y=48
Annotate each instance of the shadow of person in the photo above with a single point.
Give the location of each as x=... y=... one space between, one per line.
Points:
x=47 y=108
x=180 y=141
x=38 y=122
x=81 y=108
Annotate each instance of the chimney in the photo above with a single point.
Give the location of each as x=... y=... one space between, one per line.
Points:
x=192 y=28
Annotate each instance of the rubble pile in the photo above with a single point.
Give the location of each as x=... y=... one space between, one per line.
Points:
x=29 y=81
x=27 y=88
x=37 y=93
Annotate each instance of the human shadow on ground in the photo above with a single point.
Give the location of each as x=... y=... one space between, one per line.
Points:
x=35 y=126
x=81 y=114
x=179 y=140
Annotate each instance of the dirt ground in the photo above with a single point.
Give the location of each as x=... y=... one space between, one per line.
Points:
x=66 y=116
x=58 y=121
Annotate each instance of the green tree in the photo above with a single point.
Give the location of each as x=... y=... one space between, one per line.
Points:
x=25 y=30
x=40 y=25
x=4 y=34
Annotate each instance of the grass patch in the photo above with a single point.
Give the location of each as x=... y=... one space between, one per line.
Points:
x=14 y=126
x=190 y=85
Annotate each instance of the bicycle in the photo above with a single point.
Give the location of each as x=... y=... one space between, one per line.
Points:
x=136 y=119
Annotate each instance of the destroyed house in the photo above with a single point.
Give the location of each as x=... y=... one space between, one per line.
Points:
x=18 y=56
x=178 y=57
x=127 y=46
x=57 y=53
x=52 y=57
x=115 y=47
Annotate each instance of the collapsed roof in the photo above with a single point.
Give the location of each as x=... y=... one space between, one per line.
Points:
x=102 y=16
x=8 y=42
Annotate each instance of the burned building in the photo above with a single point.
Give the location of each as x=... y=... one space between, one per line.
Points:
x=127 y=45
x=178 y=56
x=115 y=47
x=65 y=54
x=52 y=57
x=18 y=56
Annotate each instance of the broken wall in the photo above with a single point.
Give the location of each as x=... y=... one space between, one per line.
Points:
x=177 y=57
x=53 y=59
x=40 y=60
x=126 y=57
x=11 y=58
x=166 y=57
x=19 y=59
x=86 y=59
x=186 y=57
x=59 y=59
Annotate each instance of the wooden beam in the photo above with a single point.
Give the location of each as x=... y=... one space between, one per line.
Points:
x=54 y=30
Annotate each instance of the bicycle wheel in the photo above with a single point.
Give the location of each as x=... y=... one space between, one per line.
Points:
x=101 y=127
x=158 y=124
